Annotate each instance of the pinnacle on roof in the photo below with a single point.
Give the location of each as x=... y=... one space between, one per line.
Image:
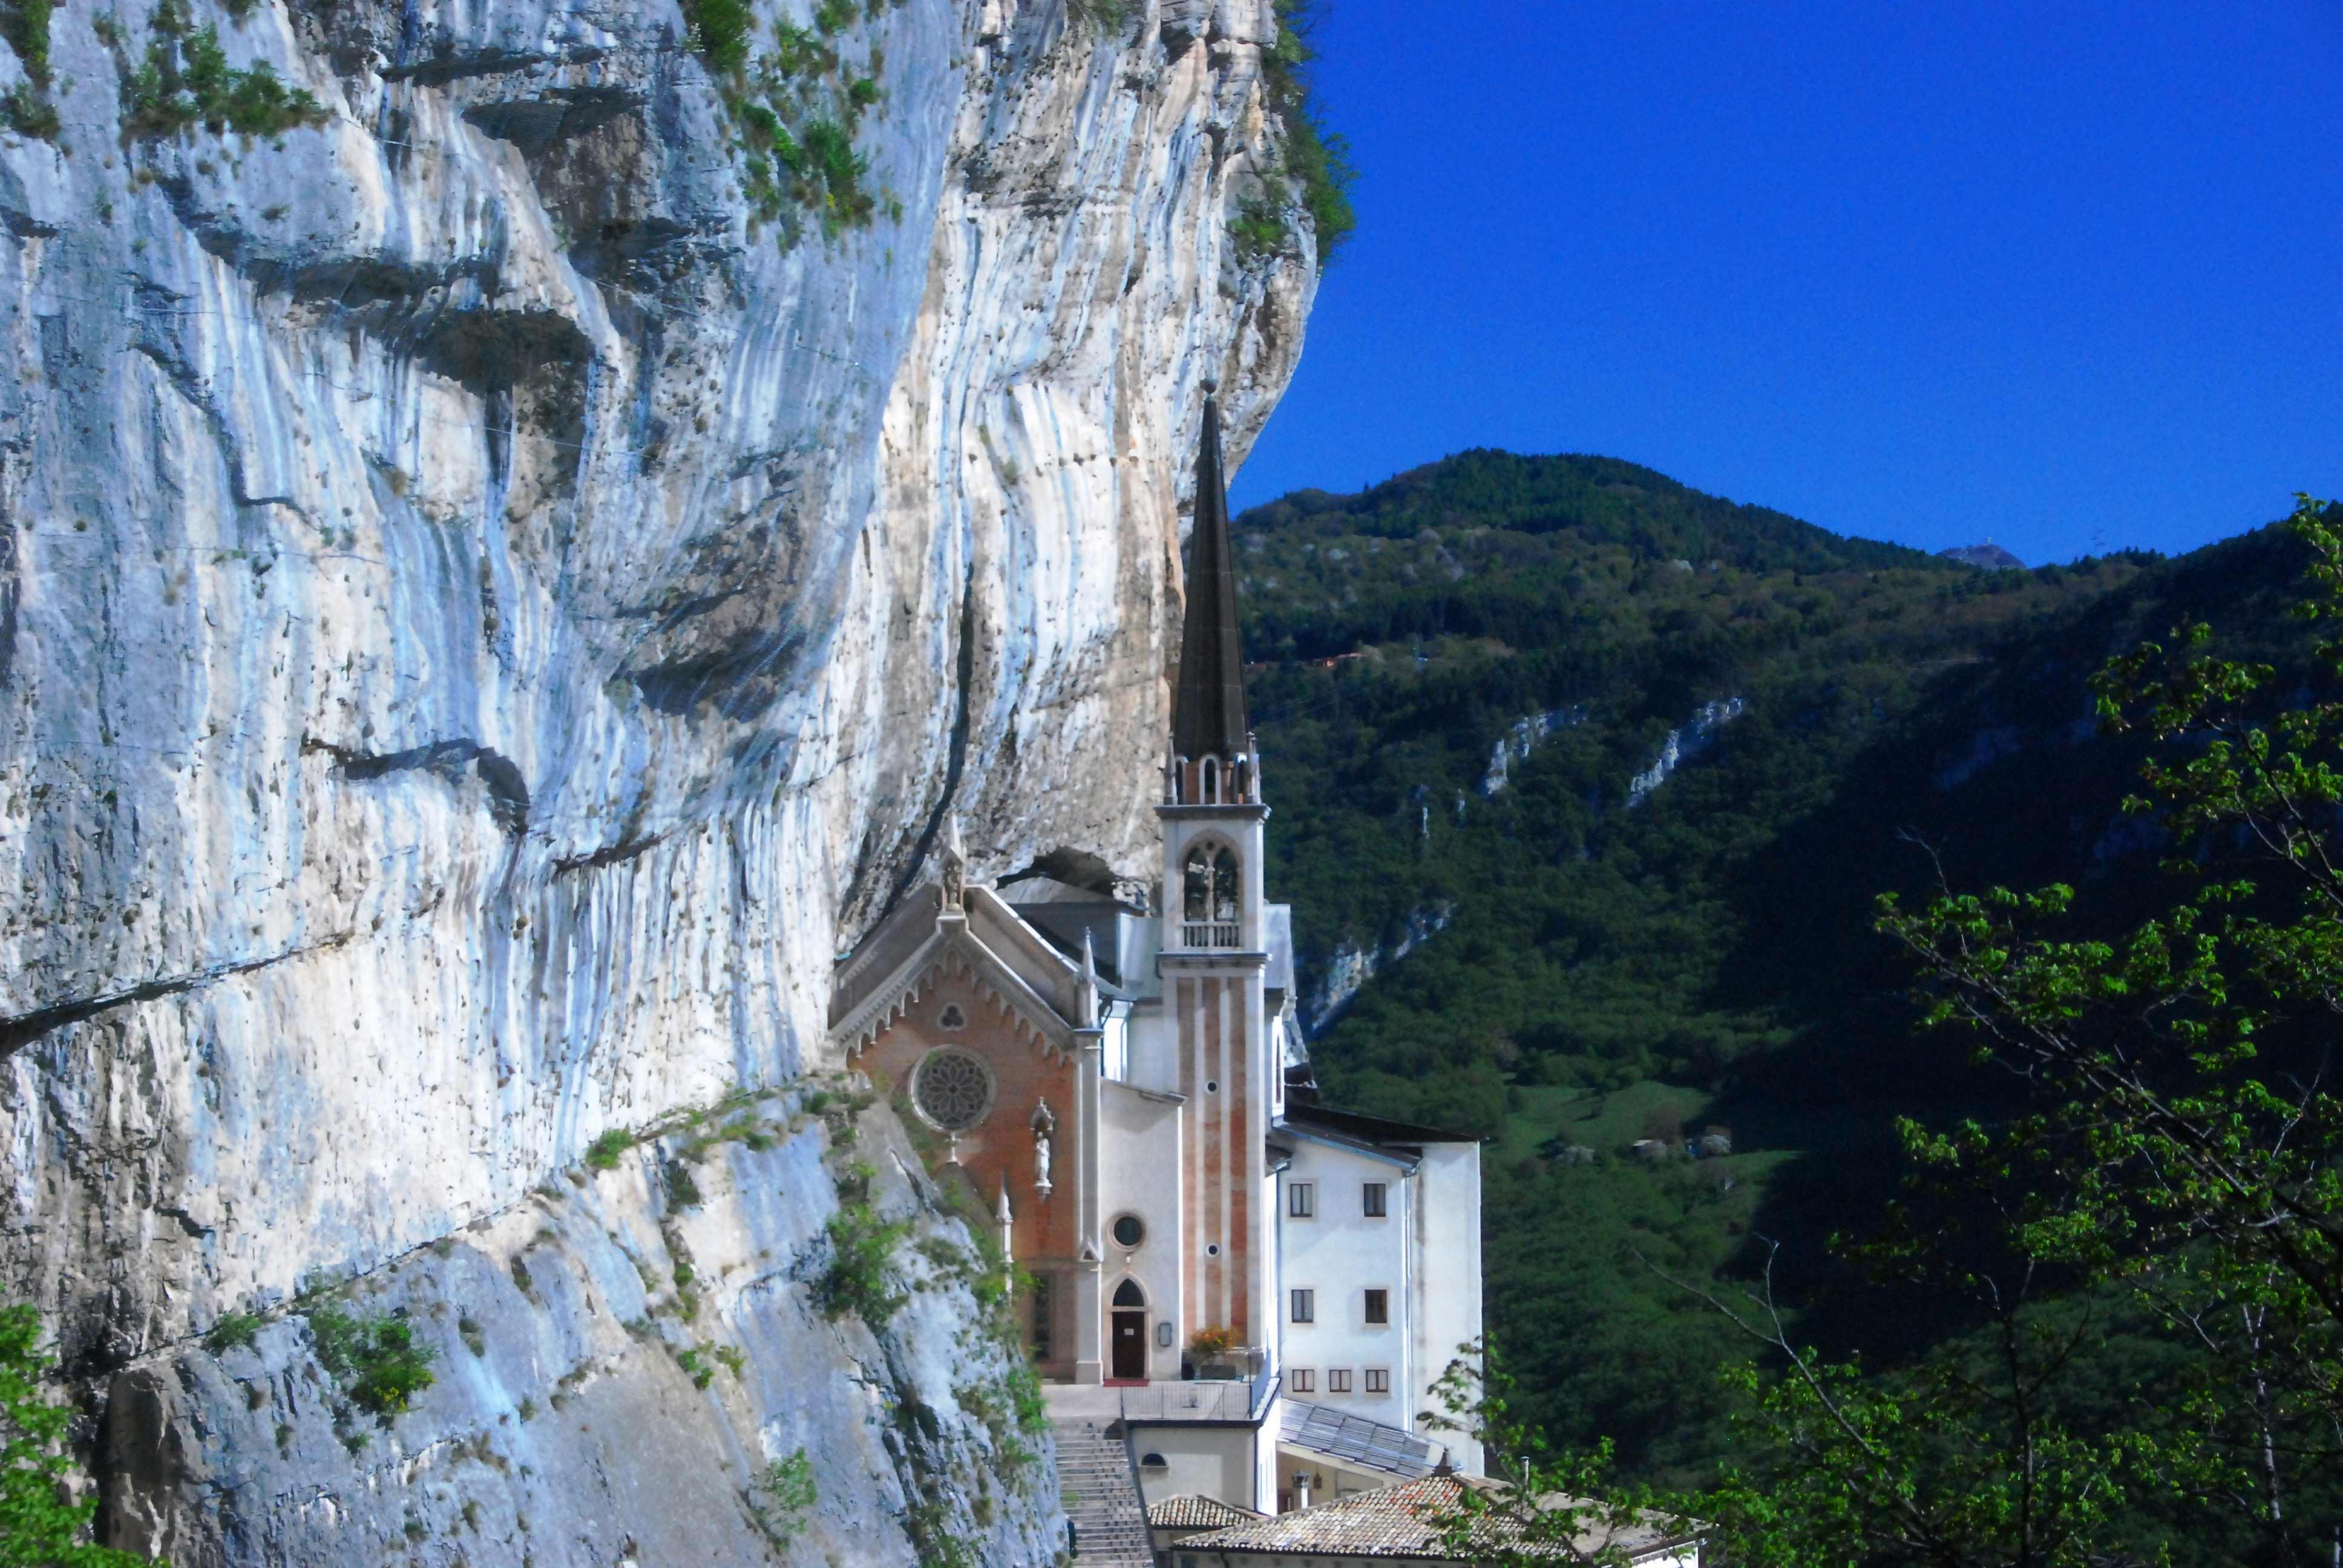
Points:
x=1208 y=711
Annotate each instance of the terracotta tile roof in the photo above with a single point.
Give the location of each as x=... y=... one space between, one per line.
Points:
x=1402 y=1521
x=1190 y=1512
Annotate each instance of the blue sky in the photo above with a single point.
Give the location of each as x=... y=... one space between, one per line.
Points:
x=2065 y=274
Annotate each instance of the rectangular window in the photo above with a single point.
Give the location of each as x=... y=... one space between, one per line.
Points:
x=1379 y=1379
x=1338 y=1380
x=1305 y=1306
x=1041 y=1318
x=1302 y=1379
x=1374 y=1200
x=1301 y=1200
x=1378 y=1306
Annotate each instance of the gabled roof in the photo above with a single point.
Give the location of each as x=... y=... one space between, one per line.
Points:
x=1190 y=1512
x=1207 y=709
x=1405 y=1523
x=985 y=942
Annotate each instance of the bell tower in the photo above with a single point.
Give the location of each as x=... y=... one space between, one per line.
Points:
x=1214 y=955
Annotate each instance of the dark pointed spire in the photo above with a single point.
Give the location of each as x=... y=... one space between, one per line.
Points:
x=1208 y=711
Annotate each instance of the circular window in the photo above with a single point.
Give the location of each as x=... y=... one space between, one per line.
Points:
x=1213 y=1087
x=1213 y=1249
x=1128 y=1232
x=952 y=1090
x=952 y=1017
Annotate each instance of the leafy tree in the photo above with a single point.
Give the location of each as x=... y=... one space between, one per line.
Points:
x=1541 y=1505
x=2177 y=1161
x=37 y=1530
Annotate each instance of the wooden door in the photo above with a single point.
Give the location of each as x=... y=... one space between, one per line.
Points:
x=1130 y=1344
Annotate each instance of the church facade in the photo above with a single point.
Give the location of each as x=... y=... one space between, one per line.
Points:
x=1274 y=1284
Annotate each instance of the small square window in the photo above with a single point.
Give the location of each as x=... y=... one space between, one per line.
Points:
x=1302 y=1379
x=1379 y=1379
x=1338 y=1380
x=1301 y=1200
x=1378 y=1306
x=1305 y=1306
x=1374 y=1200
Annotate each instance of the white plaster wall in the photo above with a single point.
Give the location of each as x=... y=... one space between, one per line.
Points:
x=1339 y=1254
x=1139 y=1166
x=1448 y=1212
x=1205 y=1461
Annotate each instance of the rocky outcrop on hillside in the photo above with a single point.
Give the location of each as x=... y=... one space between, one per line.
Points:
x=491 y=601
x=1988 y=557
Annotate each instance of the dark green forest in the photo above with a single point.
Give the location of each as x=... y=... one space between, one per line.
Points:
x=1607 y=965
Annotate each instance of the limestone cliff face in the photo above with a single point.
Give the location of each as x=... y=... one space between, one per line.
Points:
x=485 y=619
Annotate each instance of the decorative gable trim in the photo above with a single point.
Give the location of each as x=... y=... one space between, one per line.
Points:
x=953 y=952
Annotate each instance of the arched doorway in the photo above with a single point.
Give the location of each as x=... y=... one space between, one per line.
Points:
x=1128 y=1342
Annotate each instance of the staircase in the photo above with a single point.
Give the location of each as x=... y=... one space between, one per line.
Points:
x=1101 y=1497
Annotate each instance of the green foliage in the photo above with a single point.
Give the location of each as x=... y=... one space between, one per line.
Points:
x=936 y=1537
x=702 y=1373
x=1012 y=1410
x=1543 y=1505
x=2180 y=1139
x=37 y=1529
x=232 y=1330
x=1313 y=164
x=25 y=24
x=603 y=1153
x=1107 y=18
x=27 y=108
x=186 y=81
x=29 y=111
x=1708 y=957
x=783 y=1495
x=861 y=1279
x=799 y=110
x=683 y=1189
x=721 y=29
x=376 y=1360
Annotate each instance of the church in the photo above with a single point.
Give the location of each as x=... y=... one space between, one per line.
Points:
x=1265 y=1286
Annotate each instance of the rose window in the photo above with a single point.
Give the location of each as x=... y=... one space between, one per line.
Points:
x=953 y=1090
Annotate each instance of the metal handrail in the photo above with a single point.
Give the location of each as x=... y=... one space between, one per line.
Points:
x=1203 y=1399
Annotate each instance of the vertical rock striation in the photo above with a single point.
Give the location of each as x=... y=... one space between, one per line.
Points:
x=483 y=620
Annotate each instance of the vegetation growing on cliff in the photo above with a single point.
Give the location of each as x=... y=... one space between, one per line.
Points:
x=783 y=1495
x=798 y=107
x=186 y=81
x=1310 y=169
x=37 y=1528
x=27 y=108
x=377 y=1360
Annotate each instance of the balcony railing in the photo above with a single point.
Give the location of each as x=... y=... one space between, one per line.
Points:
x=1209 y=933
x=1244 y=1398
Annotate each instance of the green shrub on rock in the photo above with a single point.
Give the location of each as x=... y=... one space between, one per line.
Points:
x=376 y=1360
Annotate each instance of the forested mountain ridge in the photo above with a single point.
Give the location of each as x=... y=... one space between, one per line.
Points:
x=1621 y=957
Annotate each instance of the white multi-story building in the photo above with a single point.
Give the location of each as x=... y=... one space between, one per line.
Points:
x=1274 y=1284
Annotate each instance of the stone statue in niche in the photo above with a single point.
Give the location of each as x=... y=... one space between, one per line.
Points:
x=1044 y=1124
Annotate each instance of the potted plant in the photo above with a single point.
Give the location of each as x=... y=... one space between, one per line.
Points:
x=1210 y=1349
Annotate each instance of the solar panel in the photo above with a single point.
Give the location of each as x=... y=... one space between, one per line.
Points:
x=1339 y=1434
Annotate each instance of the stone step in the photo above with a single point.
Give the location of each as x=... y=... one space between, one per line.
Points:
x=1101 y=1497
